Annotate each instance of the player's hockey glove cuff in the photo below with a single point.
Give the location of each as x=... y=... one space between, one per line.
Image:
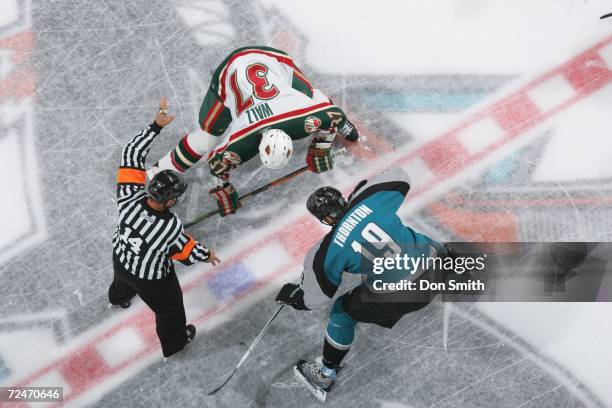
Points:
x=227 y=199
x=292 y=295
x=319 y=158
x=347 y=130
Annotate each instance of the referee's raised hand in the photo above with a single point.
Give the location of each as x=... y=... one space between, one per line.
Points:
x=213 y=258
x=162 y=118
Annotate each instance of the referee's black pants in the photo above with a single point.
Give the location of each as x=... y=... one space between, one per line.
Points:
x=164 y=296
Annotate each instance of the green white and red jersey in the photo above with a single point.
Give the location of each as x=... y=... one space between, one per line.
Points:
x=254 y=89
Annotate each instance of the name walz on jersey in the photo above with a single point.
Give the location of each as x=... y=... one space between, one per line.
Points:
x=259 y=112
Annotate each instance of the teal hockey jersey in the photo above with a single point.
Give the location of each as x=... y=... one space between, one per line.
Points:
x=370 y=228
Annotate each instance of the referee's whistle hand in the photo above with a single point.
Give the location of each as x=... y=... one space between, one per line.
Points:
x=213 y=258
x=162 y=118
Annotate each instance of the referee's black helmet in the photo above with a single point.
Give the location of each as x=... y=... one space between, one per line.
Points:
x=166 y=185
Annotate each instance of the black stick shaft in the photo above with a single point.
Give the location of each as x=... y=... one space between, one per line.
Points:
x=261 y=189
x=249 y=350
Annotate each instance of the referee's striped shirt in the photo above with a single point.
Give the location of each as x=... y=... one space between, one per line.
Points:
x=146 y=241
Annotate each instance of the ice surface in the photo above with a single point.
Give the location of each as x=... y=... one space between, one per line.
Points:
x=445 y=36
x=79 y=78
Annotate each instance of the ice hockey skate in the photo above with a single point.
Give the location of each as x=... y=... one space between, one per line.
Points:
x=311 y=375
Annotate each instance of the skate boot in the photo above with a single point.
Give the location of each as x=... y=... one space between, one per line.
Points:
x=191 y=332
x=347 y=130
x=316 y=377
x=123 y=305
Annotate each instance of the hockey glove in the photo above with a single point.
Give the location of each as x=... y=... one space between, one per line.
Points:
x=292 y=295
x=227 y=199
x=319 y=158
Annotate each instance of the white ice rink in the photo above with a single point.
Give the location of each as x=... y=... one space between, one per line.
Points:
x=521 y=91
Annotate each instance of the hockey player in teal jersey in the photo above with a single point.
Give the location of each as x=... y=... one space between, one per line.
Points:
x=364 y=227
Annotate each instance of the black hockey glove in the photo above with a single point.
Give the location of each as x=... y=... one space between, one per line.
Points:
x=292 y=295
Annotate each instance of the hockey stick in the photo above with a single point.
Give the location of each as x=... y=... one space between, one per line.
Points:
x=605 y=16
x=251 y=347
x=261 y=189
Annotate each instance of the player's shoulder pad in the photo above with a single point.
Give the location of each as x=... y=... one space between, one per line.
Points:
x=316 y=260
x=391 y=180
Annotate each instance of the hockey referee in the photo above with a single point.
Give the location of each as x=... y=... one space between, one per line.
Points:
x=149 y=237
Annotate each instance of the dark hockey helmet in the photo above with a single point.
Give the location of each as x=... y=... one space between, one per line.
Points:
x=166 y=185
x=326 y=202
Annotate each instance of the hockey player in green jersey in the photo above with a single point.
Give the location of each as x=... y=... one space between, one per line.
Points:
x=258 y=102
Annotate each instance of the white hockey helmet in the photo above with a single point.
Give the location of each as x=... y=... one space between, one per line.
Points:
x=275 y=148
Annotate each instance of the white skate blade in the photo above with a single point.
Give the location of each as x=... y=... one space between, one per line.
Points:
x=317 y=392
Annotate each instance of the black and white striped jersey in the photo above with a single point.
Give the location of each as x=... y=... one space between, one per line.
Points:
x=146 y=241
